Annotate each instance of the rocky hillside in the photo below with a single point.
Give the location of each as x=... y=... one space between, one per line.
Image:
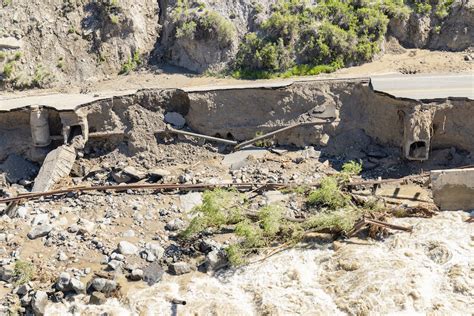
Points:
x=62 y=42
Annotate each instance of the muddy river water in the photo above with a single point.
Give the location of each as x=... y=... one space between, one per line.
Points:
x=429 y=271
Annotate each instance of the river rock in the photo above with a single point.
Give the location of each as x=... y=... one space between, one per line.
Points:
x=39 y=301
x=190 y=200
x=155 y=250
x=136 y=275
x=175 y=119
x=134 y=173
x=22 y=212
x=62 y=284
x=103 y=285
x=121 y=177
x=40 y=219
x=40 y=231
x=127 y=248
x=23 y=289
x=77 y=286
x=158 y=173
x=97 y=298
x=115 y=265
x=215 y=260
x=179 y=268
x=153 y=273
x=175 y=224
x=6 y=273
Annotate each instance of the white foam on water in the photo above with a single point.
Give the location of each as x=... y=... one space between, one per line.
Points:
x=429 y=271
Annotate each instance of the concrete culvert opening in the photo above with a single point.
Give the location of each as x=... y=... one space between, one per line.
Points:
x=76 y=130
x=418 y=150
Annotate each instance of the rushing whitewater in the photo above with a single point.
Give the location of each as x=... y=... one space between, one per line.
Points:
x=428 y=271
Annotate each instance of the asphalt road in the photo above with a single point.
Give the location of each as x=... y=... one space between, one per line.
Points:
x=420 y=87
x=401 y=86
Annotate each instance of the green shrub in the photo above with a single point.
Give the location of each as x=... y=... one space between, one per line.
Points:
x=395 y=9
x=8 y=69
x=214 y=23
x=23 y=271
x=17 y=56
x=352 y=168
x=219 y=207
x=60 y=63
x=40 y=77
x=252 y=234
x=194 y=22
x=301 y=38
x=328 y=195
x=339 y=220
x=422 y=7
x=270 y=217
x=114 y=19
x=187 y=29
x=131 y=64
x=236 y=255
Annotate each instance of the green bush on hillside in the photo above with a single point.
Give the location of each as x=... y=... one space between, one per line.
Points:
x=194 y=21
x=299 y=36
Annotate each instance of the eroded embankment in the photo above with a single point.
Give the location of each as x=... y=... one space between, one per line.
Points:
x=355 y=111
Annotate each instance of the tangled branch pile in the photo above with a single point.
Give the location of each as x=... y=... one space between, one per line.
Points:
x=329 y=208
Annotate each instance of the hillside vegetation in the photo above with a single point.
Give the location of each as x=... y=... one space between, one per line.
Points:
x=300 y=38
x=44 y=44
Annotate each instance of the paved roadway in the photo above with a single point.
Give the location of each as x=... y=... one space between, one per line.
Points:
x=59 y=101
x=401 y=86
x=421 y=87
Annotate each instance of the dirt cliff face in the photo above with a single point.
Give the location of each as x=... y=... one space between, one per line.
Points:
x=60 y=42
x=433 y=30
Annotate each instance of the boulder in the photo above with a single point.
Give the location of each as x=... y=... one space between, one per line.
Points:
x=115 y=265
x=175 y=224
x=103 y=285
x=40 y=231
x=190 y=200
x=215 y=260
x=121 y=177
x=39 y=302
x=153 y=273
x=136 y=275
x=179 y=268
x=97 y=298
x=62 y=284
x=154 y=251
x=127 y=248
x=134 y=173
x=175 y=119
x=6 y=273
x=77 y=286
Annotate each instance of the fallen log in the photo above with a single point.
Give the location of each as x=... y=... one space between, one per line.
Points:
x=361 y=224
x=388 y=225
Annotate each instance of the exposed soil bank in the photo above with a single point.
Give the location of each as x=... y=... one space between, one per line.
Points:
x=357 y=114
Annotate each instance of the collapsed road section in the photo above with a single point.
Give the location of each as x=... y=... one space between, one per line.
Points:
x=105 y=194
x=395 y=112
